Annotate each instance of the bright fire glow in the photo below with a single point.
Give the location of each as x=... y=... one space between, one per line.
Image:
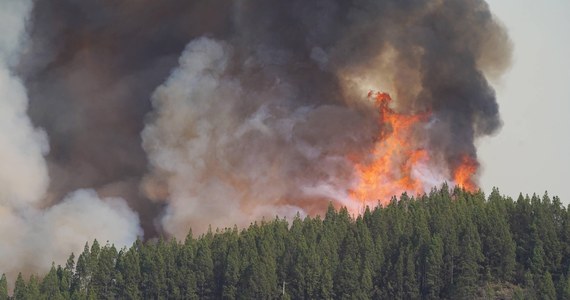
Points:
x=463 y=175
x=394 y=164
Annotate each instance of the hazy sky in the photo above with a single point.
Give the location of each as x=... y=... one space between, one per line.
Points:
x=532 y=151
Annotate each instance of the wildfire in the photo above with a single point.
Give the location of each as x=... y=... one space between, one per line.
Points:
x=394 y=164
x=464 y=173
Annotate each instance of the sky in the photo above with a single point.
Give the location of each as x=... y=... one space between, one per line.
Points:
x=531 y=153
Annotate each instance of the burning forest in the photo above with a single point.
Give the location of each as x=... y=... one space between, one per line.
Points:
x=137 y=119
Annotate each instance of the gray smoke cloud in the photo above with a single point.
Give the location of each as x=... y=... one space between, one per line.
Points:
x=262 y=122
x=90 y=68
x=223 y=112
x=35 y=233
x=225 y=153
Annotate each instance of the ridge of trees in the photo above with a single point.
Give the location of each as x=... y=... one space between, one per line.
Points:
x=448 y=244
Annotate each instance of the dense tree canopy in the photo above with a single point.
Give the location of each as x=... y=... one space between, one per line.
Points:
x=444 y=245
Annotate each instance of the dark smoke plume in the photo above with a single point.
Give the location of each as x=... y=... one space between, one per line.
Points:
x=90 y=70
x=262 y=121
x=222 y=112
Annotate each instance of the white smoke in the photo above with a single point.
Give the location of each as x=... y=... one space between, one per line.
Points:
x=222 y=154
x=186 y=143
x=34 y=236
x=23 y=175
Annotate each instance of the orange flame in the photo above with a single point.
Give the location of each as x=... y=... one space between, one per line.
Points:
x=393 y=158
x=389 y=171
x=463 y=175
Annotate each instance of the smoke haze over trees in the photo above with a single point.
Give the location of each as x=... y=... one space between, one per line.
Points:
x=445 y=245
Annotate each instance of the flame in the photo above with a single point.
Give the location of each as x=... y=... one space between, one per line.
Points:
x=393 y=157
x=463 y=175
x=394 y=164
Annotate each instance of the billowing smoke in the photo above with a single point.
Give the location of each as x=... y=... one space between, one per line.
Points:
x=244 y=145
x=34 y=233
x=266 y=120
x=220 y=112
x=90 y=68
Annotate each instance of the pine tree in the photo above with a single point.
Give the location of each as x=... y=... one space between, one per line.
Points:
x=366 y=285
x=367 y=254
x=129 y=273
x=66 y=277
x=410 y=286
x=563 y=288
x=537 y=265
x=50 y=285
x=434 y=269
x=33 y=289
x=3 y=287
x=299 y=248
x=152 y=272
x=266 y=269
x=327 y=279
x=498 y=246
x=546 y=288
x=173 y=273
x=468 y=262
x=81 y=278
x=185 y=261
x=104 y=280
x=231 y=273
x=20 y=291
x=548 y=229
x=565 y=238
x=204 y=270
x=347 y=278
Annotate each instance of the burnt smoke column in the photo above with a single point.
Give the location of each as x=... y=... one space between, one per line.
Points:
x=261 y=122
x=453 y=82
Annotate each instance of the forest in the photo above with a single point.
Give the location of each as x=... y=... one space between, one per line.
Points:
x=447 y=244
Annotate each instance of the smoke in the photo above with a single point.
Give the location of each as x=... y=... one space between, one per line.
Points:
x=23 y=177
x=201 y=113
x=35 y=238
x=222 y=148
x=264 y=121
x=34 y=233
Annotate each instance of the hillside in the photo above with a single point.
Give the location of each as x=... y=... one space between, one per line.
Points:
x=445 y=245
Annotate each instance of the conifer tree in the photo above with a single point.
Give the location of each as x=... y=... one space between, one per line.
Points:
x=347 y=283
x=204 y=270
x=33 y=288
x=468 y=262
x=231 y=273
x=185 y=261
x=563 y=288
x=50 y=286
x=546 y=288
x=82 y=276
x=20 y=291
x=434 y=269
x=104 y=279
x=3 y=287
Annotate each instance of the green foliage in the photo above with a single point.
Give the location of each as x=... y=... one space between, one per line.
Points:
x=449 y=244
x=20 y=291
x=3 y=287
x=33 y=289
x=434 y=282
x=50 y=286
x=564 y=288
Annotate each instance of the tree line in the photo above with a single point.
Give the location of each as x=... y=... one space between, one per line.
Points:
x=448 y=244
